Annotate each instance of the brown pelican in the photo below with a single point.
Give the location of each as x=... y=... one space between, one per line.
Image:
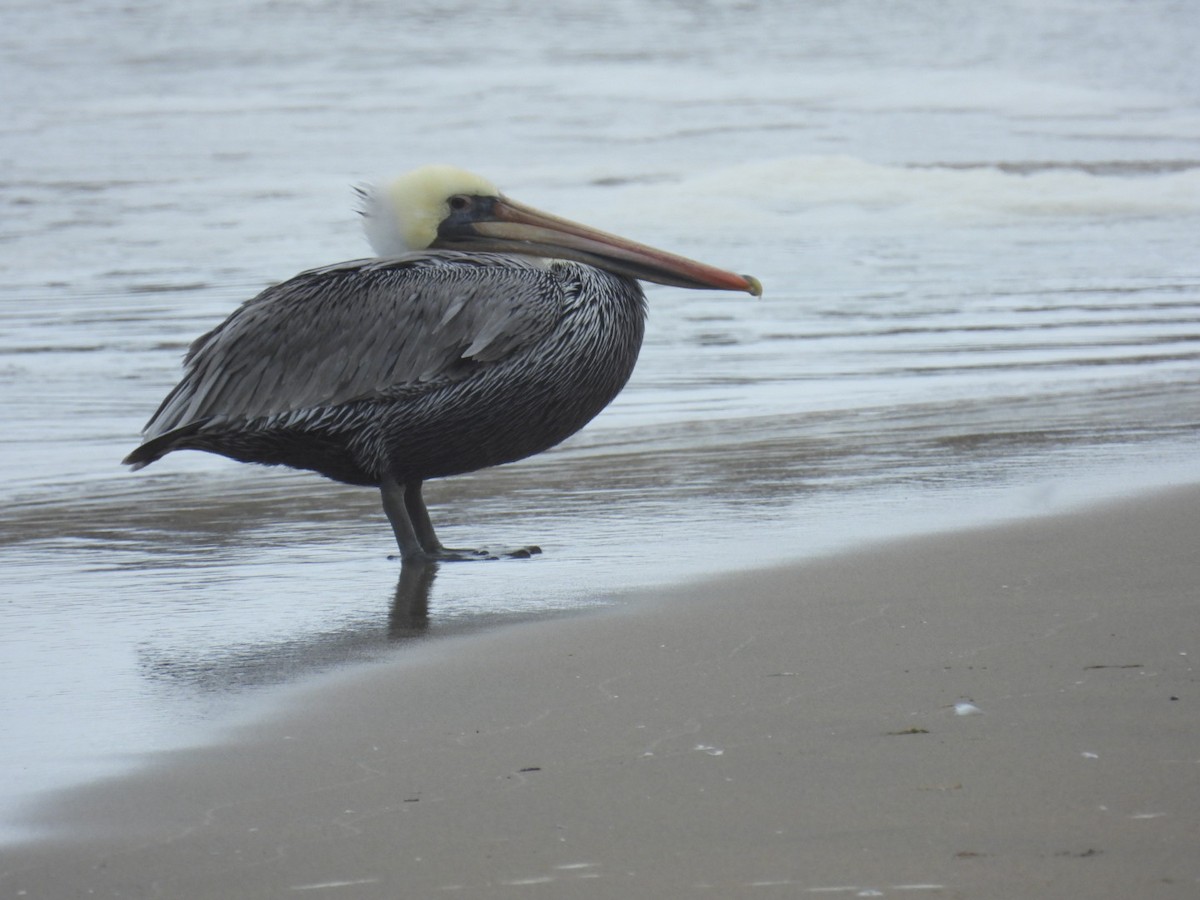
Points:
x=483 y=332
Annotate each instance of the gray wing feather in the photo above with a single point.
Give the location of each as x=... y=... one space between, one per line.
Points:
x=364 y=329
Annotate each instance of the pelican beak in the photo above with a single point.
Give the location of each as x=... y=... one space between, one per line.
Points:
x=500 y=225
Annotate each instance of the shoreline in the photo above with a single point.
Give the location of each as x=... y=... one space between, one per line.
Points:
x=782 y=731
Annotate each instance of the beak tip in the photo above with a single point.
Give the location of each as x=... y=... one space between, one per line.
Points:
x=753 y=286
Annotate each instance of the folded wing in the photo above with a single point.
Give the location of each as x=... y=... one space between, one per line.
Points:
x=359 y=330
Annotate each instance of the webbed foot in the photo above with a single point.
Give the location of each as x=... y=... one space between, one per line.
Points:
x=521 y=552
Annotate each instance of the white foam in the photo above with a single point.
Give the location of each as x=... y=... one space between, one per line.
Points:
x=758 y=192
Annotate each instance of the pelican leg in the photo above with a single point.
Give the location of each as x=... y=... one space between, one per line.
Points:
x=418 y=515
x=405 y=508
x=402 y=526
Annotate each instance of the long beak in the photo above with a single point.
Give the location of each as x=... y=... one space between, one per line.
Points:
x=505 y=226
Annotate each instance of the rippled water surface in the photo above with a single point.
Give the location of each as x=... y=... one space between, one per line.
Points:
x=976 y=226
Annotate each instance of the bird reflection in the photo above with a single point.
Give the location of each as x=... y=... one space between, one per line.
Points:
x=410 y=605
x=237 y=666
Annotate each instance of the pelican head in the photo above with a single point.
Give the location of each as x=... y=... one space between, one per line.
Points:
x=444 y=208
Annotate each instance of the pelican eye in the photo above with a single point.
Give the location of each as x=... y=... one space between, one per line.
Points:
x=460 y=202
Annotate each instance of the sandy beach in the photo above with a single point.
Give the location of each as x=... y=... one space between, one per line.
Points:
x=1009 y=712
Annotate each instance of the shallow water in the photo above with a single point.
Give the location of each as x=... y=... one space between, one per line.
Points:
x=977 y=230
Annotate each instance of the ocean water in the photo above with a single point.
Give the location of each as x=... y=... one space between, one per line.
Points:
x=976 y=225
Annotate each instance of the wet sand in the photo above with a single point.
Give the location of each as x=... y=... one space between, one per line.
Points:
x=782 y=733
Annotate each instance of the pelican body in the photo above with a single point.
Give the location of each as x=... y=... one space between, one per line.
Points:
x=483 y=332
